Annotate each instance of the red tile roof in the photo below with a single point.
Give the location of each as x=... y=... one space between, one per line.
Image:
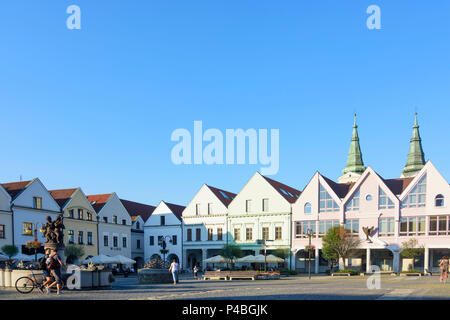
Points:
x=61 y=196
x=98 y=200
x=14 y=188
x=225 y=196
x=289 y=193
x=136 y=209
x=176 y=209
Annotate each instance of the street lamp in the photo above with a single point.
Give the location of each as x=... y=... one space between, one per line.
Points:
x=33 y=230
x=263 y=242
x=309 y=234
x=162 y=243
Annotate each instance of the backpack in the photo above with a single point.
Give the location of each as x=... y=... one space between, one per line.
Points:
x=41 y=263
x=54 y=263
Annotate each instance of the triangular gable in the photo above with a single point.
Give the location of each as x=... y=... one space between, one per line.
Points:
x=98 y=201
x=415 y=180
x=63 y=196
x=224 y=196
x=315 y=176
x=14 y=189
x=17 y=189
x=326 y=183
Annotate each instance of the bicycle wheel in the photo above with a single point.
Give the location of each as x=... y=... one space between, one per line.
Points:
x=25 y=285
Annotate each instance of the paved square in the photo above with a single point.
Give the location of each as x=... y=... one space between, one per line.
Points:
x=287 y=288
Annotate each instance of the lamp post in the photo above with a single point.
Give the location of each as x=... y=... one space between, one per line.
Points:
x=309 y=233
x=33 y=229
x=263 y=242
x=162 y=243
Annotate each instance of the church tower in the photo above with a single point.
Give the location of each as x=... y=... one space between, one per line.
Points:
x=416 y=157
x=355 y=165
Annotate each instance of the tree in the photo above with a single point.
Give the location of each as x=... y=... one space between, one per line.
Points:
x=339 y=243
x=282 y=253
x=10 y=250
x=411 y=250
x=231 y=252
x=73 y=252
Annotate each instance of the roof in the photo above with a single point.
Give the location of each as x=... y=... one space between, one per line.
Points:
x=98 y=200
x=399 y=185
x=14 y=188
x=225 y=196
x=61 y=196
x=341 y=189
x=176 y=209
x=136 y=209
x=289 y=193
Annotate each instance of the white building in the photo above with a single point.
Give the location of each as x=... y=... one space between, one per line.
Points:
x=114 y=227
x=31 y=203
x=139 y=213
x=261 y=211
x=164 y=225
x=205 y=225
x=6 y=237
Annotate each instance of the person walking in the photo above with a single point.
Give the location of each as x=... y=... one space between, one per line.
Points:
x=43 y=265
x=444 y=265
x=175 y=269
x=55 y=264
x=195 y=272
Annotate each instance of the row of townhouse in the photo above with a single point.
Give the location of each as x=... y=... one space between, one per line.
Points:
x=267 y=214
x=101 y=224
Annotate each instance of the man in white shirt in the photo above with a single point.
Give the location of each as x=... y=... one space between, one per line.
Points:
x=175 y=269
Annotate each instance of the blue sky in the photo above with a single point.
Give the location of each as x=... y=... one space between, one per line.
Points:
x=95 y=107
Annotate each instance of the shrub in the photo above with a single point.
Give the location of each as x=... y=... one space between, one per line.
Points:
x=10 y=250
x=412 y=271
x=351 y=271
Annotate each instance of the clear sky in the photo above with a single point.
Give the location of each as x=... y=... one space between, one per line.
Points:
x=96 y=107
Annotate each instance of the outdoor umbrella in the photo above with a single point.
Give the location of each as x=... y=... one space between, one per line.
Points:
x=217 y=259
x=122 y=260
x=100 y=259
x=274 y=259
x=3 y=257
x=23 y=257
x=248 y=259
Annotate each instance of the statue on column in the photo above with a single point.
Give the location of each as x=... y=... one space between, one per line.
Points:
x=54 y=232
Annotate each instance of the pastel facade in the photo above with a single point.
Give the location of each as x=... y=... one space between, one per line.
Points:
x=6 y=236
x=80 y=220
x=31 y=203
x=114 y=226
x=262 y=211
x=164 y=224
x=205 y=225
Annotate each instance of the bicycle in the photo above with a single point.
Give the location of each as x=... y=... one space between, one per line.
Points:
x=27 y=284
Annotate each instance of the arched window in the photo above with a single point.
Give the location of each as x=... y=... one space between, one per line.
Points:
x=439 y=200
x=307 y=208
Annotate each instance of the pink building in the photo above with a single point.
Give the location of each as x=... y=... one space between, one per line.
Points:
x=414 y=206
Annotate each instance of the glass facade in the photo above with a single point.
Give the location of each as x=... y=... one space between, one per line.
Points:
x=326 y=202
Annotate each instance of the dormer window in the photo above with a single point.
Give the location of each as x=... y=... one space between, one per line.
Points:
x=138 y=225
x=417 y=196
x=353 y=204
x=326 y=202
x=439 y=200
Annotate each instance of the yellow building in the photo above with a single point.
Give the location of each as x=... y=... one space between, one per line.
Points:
x=80 y=220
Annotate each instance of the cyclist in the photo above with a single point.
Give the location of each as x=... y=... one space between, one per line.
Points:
x=43 y=266
x=54 y=265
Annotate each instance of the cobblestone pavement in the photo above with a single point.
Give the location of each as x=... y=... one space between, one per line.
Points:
x=287 y=288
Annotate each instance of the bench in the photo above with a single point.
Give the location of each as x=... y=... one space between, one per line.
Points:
x=269 y=275
x=243 y=275
x=405 y=274
x=216 y=275
x=340 y=274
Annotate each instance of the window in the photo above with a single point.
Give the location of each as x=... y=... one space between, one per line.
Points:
x=248 y=234
x=439 y=200
x=152 y=240
x=384 y=201
x=89 y=216
x=37 y=202
x=352 y=225
x=80 y=213
x=369 y=197
x=237 y=234
x=105 y=241
x=71 y=213
x=265 y=233
x=71 y=236
x=278 y=234
x=138 y=244
x=301 y=229
x=210 y=234
x=124 y=242
x=115 y=242
x=189 y=234
x=386 y=227
x=80 y=237
x=210 y=208
x=417 y=196
x=197 y=209
x=174 y=240
x=27 y=229
x=198 y=234
x=307 y=208
x=327 y=204
x=353 y=204
x=412 y=226
x=439 y=225
x=138 y=225
x=105 y=219
x=160 y=240
x=265 y=205
x=2 y=231
x=115 y=219
x=89 y=238
x=219 y=234
x=326 y=225
x=248 y=205
x=124 y=222
x=162 y=220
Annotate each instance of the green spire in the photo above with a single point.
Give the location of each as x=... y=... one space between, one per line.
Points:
x=416 y=157
x=354 y=161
